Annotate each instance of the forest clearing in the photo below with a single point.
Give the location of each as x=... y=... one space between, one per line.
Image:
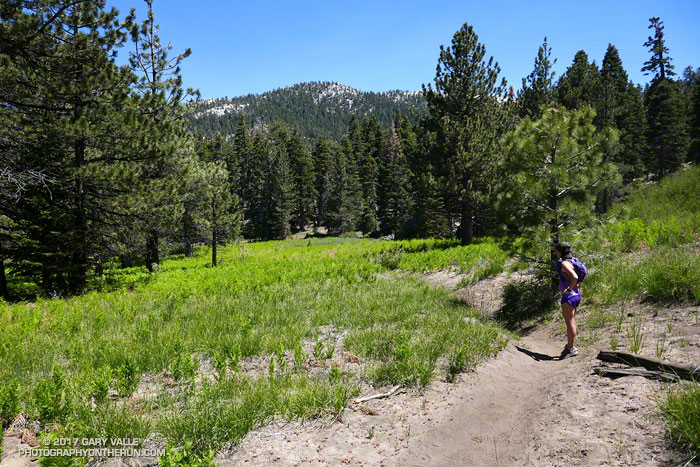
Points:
x=325 y=274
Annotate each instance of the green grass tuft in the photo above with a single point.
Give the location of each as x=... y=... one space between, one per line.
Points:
x=681 y=410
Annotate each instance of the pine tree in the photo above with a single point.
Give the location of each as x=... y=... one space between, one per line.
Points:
x=668 y=140
x=368 y=166
x=470 y=119
x=666 y=117
x=621 y=107
x=632 y=124
x=224 y=215
x=81 y=125
x=279 y=193
x=538 y=89
x=212 y=211
x=580 y=85
x=159 y=86
x=302 y=168
x=614 y=85
x=341 y=211
x=554 y=170
x=243 y=153
x=429 y=217
x=660 y=63
x=257 y=182
x=395 y=207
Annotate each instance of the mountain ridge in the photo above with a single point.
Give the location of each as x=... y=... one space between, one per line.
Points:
x=316 y=108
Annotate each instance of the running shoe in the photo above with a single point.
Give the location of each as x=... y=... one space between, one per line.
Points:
x=568 y=352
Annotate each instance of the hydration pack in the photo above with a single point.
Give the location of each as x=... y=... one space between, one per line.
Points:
x=580 y=269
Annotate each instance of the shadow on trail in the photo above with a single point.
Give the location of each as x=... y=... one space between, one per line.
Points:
x=526 y=331
x=536 y=355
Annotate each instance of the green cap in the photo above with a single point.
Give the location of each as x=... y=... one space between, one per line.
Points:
x=565 y=249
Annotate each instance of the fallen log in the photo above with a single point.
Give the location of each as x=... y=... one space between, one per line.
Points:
x=380 y=395
x=611 y=372
x=682 y=371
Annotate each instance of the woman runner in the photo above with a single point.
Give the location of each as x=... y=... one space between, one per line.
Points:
x=570 y=296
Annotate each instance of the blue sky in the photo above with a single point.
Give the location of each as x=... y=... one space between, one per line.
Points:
x=252 y=47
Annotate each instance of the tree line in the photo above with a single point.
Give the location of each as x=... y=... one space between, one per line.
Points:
x=99 y=166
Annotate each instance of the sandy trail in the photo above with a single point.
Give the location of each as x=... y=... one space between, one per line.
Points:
x=492 y=425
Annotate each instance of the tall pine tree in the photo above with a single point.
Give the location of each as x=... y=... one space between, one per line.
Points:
x=302 y=169
x=667 y=130
x=580 y=85
x=553 y=171
x=466 y=102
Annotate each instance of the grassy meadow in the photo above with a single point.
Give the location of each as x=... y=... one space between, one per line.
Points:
x=198 y=356
x=652 y=251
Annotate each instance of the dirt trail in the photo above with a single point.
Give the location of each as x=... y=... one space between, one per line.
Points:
x=492 y=425
x=527 y=407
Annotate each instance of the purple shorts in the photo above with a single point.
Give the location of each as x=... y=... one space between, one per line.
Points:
x=573 y=299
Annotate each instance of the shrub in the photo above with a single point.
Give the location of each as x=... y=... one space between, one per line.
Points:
x=528 y=299
x=101 y=383
x=681 y=411
x=390 y=258
x=184 y=366
x=628 y=235
x=9 y=400
x=127 y=378
x=185 y=457
x=53 y=397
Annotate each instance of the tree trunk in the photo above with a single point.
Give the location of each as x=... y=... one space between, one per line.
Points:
x=554 y=236
x=650 y=363
x=125 y=260
x=188 y=233
x=3 y=281
x=466 y=226
x=214 y=228
x=152 y=256
x=46 y=279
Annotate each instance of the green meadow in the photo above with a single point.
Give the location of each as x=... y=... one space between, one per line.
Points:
x=169 y=355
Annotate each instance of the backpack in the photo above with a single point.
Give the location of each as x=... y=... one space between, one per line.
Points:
x=580 y=269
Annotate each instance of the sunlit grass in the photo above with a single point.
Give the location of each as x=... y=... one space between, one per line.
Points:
x=681 y=410
x=77 y=361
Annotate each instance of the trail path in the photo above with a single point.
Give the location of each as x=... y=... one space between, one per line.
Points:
x=496 y=420
x=527 y=407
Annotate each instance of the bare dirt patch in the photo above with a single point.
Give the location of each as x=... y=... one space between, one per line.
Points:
x=484 y=295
